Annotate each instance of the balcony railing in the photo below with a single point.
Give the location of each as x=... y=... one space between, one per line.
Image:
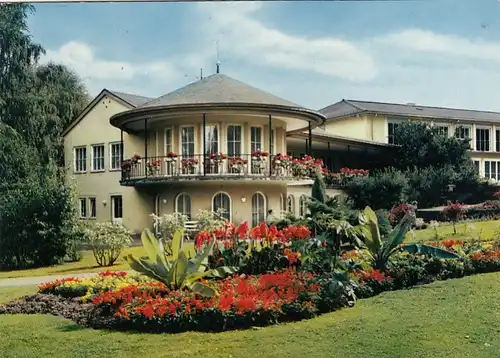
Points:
x=198 y=165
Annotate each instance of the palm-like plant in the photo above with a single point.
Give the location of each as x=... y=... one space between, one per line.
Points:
x=382 y=248
x=177 y=271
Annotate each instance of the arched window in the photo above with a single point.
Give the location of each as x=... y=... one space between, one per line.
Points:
x=303 y=205
x=222 y=201
x=282 y=204
x=258 y=208
x=183 y=205
x=290 y=204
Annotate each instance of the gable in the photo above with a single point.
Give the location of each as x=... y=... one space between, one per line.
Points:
x=98 y=99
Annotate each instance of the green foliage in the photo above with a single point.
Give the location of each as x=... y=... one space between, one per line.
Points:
x=381 y=190
x=36 y=103
x=383 y=222
x=381 y=248
x=421 y=146
x=107 y=241
x=209 y=222
x=177 y=272
x=35 y=219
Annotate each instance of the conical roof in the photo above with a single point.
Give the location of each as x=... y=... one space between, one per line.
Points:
x=218 y=89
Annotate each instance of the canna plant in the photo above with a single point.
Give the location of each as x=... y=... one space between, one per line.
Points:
x=177 y=271
x=382 y=248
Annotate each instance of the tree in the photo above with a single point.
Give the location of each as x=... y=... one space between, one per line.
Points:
x=421 y=146
x=37 y=210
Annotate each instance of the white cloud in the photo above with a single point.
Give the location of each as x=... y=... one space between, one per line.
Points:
x=244 y=37
x=99 y=73
x=432 y=43
x=409 y=65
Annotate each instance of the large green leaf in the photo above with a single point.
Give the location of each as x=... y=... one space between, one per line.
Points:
x=144 y=267
x=222 y=272
x=153 y=247
x=200 y=262
x=431 y=251
x=372 y=224
x=397 y=235
x=203 y=290
x=177 y=243
x=181 y=270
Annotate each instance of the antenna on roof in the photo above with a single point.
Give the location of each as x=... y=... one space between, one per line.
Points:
x=218 y=62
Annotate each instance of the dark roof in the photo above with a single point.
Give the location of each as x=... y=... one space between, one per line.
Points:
x=346 y=108
x=218 y=89
x=132 y=99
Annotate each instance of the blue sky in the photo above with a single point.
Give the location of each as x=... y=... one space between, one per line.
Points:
x=430 y=52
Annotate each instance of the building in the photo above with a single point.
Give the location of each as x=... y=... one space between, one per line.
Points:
x=132 y=156
x=376 y=122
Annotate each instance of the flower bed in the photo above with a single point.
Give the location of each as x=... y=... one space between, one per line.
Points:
x=122 y=301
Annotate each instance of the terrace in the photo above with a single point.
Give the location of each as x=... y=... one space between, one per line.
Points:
x=256 y=166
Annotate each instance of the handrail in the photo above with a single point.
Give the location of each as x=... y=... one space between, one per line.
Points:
x=198 y=165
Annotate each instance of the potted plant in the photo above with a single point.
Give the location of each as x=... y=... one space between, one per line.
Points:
x=153 y=167
x=189 y=165
x=237 y=164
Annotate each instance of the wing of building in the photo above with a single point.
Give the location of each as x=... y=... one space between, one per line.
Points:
x=216 y=143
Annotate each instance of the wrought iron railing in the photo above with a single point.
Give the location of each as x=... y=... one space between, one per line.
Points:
x=199 y=165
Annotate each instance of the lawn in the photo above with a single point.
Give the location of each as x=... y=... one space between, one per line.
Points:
x=486 y=230
x=457 y=318
x=86 y=264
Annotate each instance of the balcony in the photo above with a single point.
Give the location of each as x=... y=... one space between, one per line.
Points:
x=256 y=166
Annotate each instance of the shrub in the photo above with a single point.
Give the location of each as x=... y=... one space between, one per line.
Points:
x=107 y=241
x=397 y=213
x=454 y=212
x=381 y=190
x=36 y=217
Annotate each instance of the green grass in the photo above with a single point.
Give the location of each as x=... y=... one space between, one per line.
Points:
x=86 y=264
x=484 y=230
x=455 y=318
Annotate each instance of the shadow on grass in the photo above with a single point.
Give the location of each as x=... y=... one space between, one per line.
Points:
x=72 y=327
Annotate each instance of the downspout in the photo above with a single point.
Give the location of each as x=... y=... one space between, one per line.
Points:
x=270 y=141
x=204 y=144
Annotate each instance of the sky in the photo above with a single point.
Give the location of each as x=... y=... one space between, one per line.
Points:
x=429 y=52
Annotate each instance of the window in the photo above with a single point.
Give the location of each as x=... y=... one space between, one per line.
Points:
x=442 y=130
x=115 y=155
x=282 y=204
x=476 y=165
x=116 y=207
x=222 y=201
x=491 y=169
x=98 y=157
x=290 y=204
x=497 y=140
x=482 y=140
x=83 y=208
x=234 y=144
x=462 y=132
x=212 y=139
x=258 y=209
x=81 y=159
x=391 y=130
x=92 y=208
x=303 y=205
x=255 y=139
x=169 y=143
x=187 y=141
x=271 y=149
x=183 y=205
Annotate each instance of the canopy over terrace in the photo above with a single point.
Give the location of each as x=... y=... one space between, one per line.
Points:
x=216 y=95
